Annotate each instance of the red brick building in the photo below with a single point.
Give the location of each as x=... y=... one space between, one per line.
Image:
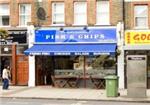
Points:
x=137 y=25
x=56 y=13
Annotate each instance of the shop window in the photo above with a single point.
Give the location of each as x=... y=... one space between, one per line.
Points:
x=80 y=13
x=70 y=71
x=24 y=14
x=102 y=13
x=6 y=49
x=141 y=16
x=58 y=13
x=18 y=36
x=102 y=62
x=92 y=65
x=4 y=15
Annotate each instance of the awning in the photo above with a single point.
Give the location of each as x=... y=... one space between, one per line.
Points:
x=71 y=49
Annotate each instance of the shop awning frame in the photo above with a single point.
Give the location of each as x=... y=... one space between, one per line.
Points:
x=72 y=49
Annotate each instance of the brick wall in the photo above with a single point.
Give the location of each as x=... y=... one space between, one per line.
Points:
x=115 y=11
x=128 y=16
x=69 y=12
x=14 y=13
x=129 y=13
x=91 y=14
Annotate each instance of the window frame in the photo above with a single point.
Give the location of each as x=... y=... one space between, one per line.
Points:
x=24 y=14
x=134 y=17
x=78 y=13
x=1 y=25
x=108 y=13
x=57 y=13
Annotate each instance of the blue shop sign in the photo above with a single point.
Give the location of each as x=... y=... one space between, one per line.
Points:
x=102 y=35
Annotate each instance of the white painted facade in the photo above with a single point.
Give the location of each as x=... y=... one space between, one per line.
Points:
x=31 y=37
x=120 y=57
x=120 y=61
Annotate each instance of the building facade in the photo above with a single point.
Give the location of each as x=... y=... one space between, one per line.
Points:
x=75 y=17
x=12 y=48
x=60 y=15
x=137 y=22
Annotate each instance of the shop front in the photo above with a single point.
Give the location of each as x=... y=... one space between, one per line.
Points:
x=11 y=54
x=73 y=57
x=137 y=43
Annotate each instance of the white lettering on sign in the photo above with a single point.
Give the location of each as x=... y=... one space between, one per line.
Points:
x=61 y=53
x=71 y=37
x=81 y=36
x=101 y=53
x=91 y=36
x=49 y=36
x=81 y=53
x=136 y=58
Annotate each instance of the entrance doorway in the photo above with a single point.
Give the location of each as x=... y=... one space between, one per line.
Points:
x=44 y=70
x=136 y=75
x=138 y=52
x=4 y=60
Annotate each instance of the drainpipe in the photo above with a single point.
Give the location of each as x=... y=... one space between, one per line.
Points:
x=120 y=58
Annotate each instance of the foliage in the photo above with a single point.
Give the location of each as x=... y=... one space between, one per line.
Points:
x=3 y=34
x=99 y=62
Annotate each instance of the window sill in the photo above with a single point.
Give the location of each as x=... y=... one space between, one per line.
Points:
x=79 y=24
x=5 y=26
x=141 y=28
x=58 y=25
x=98 y=24
x=22 y=26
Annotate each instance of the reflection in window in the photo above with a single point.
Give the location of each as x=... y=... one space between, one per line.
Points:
x=80 y=13
x=24 y=14
x=79 y=65
x=58 y=13
x=4 y=15
x=6 y=49
x=91 y=63
x=141 y=16
x=102 y=13
x=103 y=62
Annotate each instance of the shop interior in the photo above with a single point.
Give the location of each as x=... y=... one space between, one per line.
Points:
x=57 y=70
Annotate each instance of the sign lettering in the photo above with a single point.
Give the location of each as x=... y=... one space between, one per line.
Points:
x=76 y=36
x=137 y=37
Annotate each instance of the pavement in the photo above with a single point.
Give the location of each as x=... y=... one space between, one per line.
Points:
x=48 y=92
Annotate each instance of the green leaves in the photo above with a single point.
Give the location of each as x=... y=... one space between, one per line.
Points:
x=3 y=34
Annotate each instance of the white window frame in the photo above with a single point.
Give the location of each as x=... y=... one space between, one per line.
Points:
x=102 y=11
x=55 y=13
x=6 y=14
x=24 y=14
x=80 y=13
x=141 y=16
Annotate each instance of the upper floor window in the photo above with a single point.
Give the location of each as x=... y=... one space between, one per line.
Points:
x=4 y=15
x=24 y=14
x=141 y=16
x=80 y=13
x=58 y=13
x=102 y=13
